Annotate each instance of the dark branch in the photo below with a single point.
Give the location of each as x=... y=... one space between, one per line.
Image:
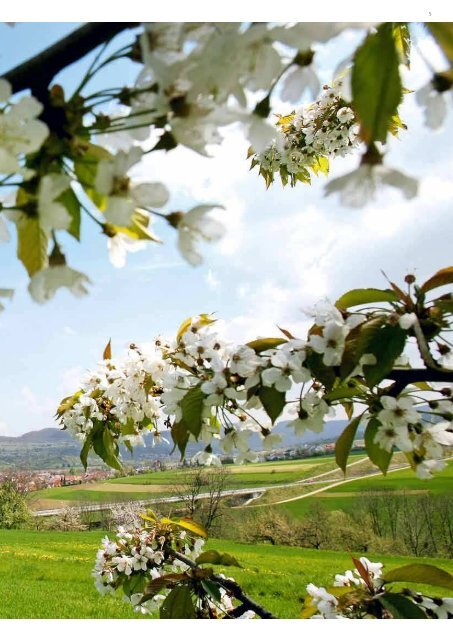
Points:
x=37 y=73
x=236 y=591
x=404 y=377
x=232 y=587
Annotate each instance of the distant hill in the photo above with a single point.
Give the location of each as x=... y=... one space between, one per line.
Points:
x=53 y=448
x=49 y=436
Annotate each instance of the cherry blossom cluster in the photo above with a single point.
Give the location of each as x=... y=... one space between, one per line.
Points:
x=140 y=555
x=310 y=136
x=361 y=593
x=120 y=394
x=227 y=398
x=401 y=425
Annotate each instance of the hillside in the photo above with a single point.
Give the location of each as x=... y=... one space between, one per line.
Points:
x=53 y=448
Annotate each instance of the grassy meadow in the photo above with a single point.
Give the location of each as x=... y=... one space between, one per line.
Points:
x=48 y=575
x=165 y=483
x=344 y=497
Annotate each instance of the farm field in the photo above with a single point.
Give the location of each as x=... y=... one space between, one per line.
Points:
x=252 y=475
x=345 y=496
x=164 y=483
x=48 y=575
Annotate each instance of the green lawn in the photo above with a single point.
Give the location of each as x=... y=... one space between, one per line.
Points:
x=165 y=483
x=91 y=495
x=398 y=481
x=250 y=475
x=405 y=480
x=48 y=575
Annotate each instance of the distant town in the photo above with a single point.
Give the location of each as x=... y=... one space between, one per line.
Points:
x=28 y=480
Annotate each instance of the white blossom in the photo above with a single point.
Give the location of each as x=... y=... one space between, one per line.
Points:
x=20 y=131
x=206 y=458
x=124 y=196
x=120 y=245
x=45 y=283
x=194 y=226
x=53 y=214
x=299 y=81
x=398 y=412
x=434 y=104
x=407 y=320
x=331 y=343
x=359 y=187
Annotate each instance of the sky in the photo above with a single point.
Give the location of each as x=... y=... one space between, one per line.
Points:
x=284 y=250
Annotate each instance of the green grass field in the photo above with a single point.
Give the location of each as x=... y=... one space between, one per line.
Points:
x=48 y=575
x=345 y=496
x=249 y=475
x=165 y=483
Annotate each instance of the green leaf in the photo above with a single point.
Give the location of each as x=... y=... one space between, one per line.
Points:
x=380 y=457
x=72 y=205
x=439 y=279
x=396 y=124
x=319 y=164
x=212 y=589
x=67 y=403
x=86 y=168
x=351 y=389
x=365 y=296
x=203 y=320
x=111 y=449
x=401 y=607
x=403 y=42
x=443 y=33
x=215 y=557
x=421 y=573
x=106 y=446
x=139 y=228
x=180 y=436
x=357 y=343
x=178 y=604
x=263 y=344
x=163 y=582
x=344 y=443
x=387 y=345
x=86 y=450
x=191 y=525
x=273 y=401
x=135 y=584
x=445 y=305
x=31 y=244
x=308 y=609
x=376 y=84
x=192 y=408
x=325 y=375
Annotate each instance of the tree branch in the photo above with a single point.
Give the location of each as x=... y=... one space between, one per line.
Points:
x=232 y=587
x=404 y=377
x=37 y=73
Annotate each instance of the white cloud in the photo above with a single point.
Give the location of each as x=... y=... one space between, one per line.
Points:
x=69 y=331
x=4 y=429
x=70 y=380
x=37 y=404
x=212 y=281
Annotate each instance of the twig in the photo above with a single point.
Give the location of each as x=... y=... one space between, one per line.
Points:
x=423 y=346
x=232 y=587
